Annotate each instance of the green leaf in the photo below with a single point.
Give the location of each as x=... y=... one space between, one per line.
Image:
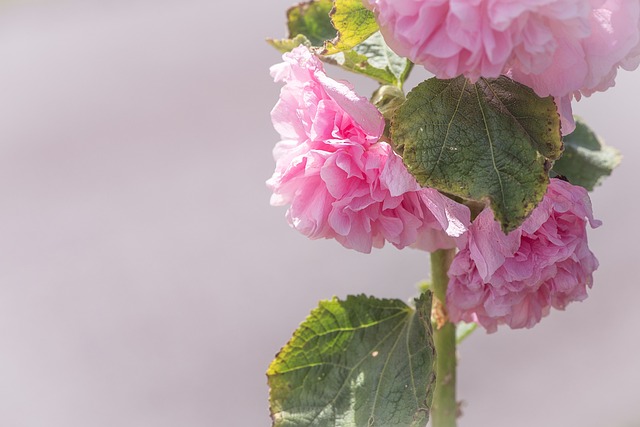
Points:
x=359 y=362
x=312 y=20
x=488 y=141
x=586 y=160
x=463 y=330
x=354 y=23
x=374 y=59
x=356 y=46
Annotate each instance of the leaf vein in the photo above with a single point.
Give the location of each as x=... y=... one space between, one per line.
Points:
x=356 y=328
x=384 y=368
x=446 y=136
x=493 y=156
x=410 y=358
x=515 y=119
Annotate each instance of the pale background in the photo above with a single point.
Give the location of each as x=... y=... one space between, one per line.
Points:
x=146 y=281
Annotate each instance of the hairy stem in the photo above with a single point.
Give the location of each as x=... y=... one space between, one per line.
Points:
x=445 y=408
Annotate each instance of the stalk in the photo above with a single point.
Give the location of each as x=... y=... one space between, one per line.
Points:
x=444 y=409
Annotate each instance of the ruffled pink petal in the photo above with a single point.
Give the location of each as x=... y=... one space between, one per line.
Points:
x=562 y=48
x=341 y=182
x=516 y=279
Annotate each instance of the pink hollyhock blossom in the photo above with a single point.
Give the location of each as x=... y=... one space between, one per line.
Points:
x=515 y=279
x=562 y=48
x=339 y=180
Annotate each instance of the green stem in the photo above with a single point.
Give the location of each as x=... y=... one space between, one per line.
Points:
x=445 y=408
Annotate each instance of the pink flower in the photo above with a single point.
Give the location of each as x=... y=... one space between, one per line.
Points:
x=340 y=180
x=515 y=279
x=562 y=48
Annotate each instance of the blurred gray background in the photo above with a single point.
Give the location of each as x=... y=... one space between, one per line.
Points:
x=146 y=281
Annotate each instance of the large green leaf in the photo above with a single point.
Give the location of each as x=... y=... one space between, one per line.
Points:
x=586 y=160
x=354 y=363
x=312 y=20
x=354 y=23
x=488 y=141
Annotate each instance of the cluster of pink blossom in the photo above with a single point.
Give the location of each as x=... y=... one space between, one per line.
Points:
x=563 y=48
x=340 y=180
x=515 y=279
